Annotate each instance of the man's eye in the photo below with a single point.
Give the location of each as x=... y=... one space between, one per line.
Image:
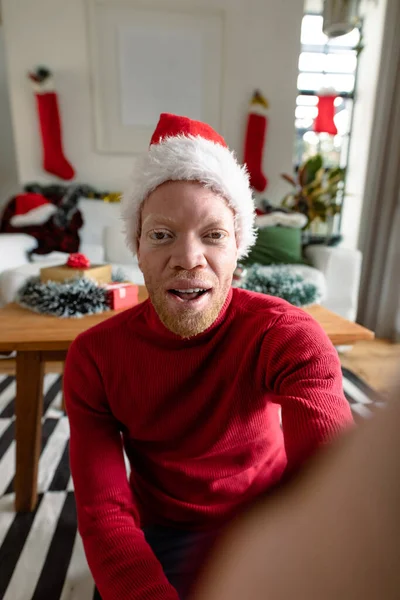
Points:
x=159 y=236
x=216 y=235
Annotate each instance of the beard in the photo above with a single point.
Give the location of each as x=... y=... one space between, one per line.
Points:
x=187 y=321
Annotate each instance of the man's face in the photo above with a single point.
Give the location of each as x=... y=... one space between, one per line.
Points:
x=187 y=253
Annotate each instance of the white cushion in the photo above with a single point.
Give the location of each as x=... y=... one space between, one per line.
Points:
x=342 y=271
x=22 y=240
x=97 y=215
x=14 y=248
x=13 y=279
x=50 y=259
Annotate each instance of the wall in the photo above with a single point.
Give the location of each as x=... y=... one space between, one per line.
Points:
x=262 y=44
x=8 y=165
x=367 y=86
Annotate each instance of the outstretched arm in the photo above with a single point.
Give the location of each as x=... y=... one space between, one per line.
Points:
x=303 y=371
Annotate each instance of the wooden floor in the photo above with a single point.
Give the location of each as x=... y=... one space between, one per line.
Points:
x=375 y=362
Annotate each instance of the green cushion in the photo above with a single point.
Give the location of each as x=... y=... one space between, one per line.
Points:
x=276 y=246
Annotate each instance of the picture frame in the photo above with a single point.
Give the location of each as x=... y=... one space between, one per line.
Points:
x=145 y=60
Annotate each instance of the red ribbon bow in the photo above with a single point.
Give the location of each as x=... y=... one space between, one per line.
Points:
x=78 y=261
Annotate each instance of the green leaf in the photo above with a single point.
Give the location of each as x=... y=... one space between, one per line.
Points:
x=311 y=168
x=319 y=191
x=300 y=175
x=335 y=180
x=338 y=173
x=287 y=201
x=319 y=175
x=319 y=205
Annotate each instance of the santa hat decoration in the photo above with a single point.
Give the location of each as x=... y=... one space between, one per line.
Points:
x=185 y=150
x=31 y=209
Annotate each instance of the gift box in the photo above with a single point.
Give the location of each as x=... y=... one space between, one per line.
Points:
x=98 y=273
x=122 y=295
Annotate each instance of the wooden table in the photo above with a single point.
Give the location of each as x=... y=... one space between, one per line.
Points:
x=38 y=339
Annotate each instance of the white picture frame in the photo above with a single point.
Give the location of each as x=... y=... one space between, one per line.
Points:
x=145 y=61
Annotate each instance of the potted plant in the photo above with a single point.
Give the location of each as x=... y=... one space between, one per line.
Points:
x=317 y=193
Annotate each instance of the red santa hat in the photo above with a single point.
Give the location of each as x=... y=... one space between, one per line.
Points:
x=31 y=209
x=185 y=150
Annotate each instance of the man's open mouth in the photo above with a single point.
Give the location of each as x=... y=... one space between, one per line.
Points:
x=191 y=294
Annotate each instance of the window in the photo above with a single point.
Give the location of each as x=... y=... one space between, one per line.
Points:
x=325 y=63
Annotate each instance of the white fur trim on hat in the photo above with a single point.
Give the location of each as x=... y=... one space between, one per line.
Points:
x=36 y=216
x=43 y=87
x=293 y=220
x=191 y=158
x=258 y=109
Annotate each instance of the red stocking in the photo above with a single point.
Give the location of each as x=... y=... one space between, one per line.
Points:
x=254 y=145
x=326 y=112
x=54 y=160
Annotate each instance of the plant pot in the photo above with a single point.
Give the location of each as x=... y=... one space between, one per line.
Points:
x=319 y=228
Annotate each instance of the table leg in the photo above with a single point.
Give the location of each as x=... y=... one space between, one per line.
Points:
x=63 y=408
x=28 y=427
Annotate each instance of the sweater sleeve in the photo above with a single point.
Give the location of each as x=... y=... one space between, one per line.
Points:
x=122 y=563
x=303 y=371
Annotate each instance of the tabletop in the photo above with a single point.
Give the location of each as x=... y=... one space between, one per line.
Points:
x=22 y=329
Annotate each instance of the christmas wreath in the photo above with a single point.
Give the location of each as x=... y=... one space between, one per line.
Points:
x=281 y=281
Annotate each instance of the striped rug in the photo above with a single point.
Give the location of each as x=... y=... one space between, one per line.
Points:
x=41 y=553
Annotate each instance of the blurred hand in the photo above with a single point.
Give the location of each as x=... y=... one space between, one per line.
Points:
x=332 y=534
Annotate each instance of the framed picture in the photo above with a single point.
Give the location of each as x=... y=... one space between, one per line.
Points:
x=146 y=61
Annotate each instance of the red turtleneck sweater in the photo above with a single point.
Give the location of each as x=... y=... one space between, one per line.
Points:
x=199 y=422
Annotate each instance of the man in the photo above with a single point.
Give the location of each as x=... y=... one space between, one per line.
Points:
x=191 y=381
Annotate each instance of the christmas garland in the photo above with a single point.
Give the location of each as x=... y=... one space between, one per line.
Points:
x=73 y=298
x=70 y=194
x=280 y=281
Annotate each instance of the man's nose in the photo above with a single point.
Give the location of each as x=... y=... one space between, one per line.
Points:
x=188 y=254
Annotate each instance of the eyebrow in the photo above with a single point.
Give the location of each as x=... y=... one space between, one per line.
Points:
x=161 y=219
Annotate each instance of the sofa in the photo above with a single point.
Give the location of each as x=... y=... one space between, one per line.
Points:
x=102 y=240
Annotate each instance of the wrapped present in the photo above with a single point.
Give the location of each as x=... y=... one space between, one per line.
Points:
x=98 y=273
x=122 y=295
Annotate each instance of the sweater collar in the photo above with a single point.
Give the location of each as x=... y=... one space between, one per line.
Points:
x=157 y=329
